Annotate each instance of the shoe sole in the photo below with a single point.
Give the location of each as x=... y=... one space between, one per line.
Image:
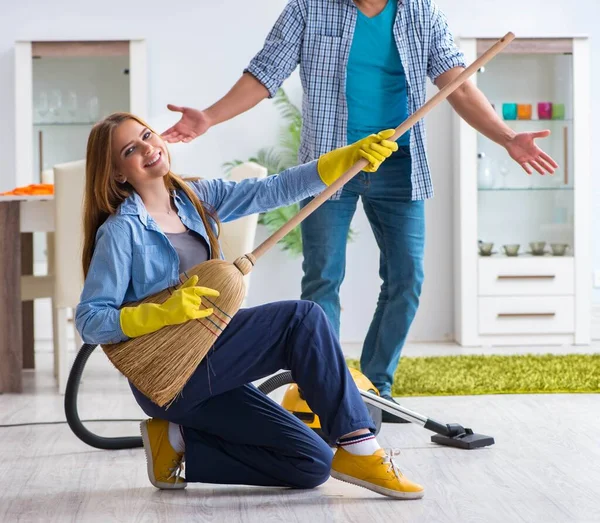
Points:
x=376 y=488
x=150 y=465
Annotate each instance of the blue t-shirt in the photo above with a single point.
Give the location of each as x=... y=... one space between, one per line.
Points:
x=375 y=79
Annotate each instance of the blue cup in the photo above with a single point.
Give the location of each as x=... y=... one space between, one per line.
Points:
x=509 y=111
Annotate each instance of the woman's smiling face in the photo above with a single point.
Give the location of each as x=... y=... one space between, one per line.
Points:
x=139 y=155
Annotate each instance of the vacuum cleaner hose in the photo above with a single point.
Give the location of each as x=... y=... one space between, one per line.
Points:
x=451 y=435
x=130 y=442
x=126 y=442
x=274 y=382
x=99 y=442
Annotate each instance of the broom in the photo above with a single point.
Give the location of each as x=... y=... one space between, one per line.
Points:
x=159 y=364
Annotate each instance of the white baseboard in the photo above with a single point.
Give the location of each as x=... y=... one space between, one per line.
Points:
x=595 y=322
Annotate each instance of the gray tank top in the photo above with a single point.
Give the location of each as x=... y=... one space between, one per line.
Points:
x=191 y=248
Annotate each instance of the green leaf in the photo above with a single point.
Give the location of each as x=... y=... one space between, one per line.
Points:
x=277 y=159
x=275 y=219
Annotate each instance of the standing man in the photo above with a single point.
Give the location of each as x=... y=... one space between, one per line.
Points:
x=356 y=55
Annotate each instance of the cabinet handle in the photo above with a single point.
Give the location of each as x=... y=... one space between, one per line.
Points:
x=566 y=154
x=526 y=314
x=526 y=276
x=41 y=153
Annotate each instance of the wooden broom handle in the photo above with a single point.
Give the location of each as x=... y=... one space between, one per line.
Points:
x=440 y=96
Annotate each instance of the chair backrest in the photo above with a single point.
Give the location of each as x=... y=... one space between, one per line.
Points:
x=69 y=187
x=237 y=237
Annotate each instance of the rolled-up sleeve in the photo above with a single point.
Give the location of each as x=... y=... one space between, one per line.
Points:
x=443 y=52
x=280 y=55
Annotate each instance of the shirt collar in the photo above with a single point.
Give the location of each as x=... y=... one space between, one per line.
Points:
x=134 y=205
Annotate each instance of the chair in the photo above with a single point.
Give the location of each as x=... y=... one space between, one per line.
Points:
x=237 y=237
x=64 y=278
x=69 y=188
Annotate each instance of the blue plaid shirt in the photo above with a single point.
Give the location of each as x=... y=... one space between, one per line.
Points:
x=317 y=34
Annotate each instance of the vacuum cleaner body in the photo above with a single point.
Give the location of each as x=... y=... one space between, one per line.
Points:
x=294 y=402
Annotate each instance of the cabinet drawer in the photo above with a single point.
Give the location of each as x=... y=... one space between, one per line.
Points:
x=527 y=315
x=526 y=276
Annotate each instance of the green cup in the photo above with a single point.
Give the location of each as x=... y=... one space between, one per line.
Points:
x=558 y=111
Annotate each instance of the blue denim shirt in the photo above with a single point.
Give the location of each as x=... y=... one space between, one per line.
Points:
x=133 y=258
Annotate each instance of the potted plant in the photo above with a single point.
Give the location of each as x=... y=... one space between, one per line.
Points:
x=277 y=159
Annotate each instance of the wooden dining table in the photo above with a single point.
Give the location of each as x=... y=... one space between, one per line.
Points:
x=20 y=217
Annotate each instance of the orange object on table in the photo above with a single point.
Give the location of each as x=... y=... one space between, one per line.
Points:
x=34 y=189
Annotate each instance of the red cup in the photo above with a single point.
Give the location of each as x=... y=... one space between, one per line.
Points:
x=544 y=110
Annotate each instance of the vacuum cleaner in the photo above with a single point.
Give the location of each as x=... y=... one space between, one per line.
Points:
x=451 y=434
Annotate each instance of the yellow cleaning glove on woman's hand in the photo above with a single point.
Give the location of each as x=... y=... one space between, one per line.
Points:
x=374 y=148
x=183 y=305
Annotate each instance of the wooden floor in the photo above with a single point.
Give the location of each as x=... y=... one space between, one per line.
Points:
x=544 y=467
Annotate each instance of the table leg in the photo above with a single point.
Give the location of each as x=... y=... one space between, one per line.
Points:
x=11 y=341
x=27 y=306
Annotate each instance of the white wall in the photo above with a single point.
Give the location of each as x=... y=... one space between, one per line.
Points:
x=197 y=49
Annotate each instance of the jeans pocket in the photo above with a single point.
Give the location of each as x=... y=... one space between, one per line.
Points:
x=403 y=152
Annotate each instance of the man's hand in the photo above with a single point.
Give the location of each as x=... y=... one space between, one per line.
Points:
x=472 y=105
x=192 y=124
x=523 y=150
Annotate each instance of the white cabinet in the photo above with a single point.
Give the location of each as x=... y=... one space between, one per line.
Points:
x=540 y=295
x=63 y=88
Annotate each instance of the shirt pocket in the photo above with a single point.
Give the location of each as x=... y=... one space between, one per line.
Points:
x=322 y=55
x=149 y=264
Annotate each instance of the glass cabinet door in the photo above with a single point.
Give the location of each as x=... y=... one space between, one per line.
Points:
x=70 y=94
x=531 y=92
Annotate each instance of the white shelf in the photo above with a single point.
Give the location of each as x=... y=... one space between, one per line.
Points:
x=61 y=124
x=496 y=295
x=518 y=189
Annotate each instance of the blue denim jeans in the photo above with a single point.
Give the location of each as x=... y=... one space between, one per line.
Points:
x=398 y=224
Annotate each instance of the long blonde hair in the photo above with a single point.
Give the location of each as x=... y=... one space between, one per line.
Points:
x=103 y=194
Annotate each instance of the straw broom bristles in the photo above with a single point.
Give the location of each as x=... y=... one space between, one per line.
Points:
x=161 y=363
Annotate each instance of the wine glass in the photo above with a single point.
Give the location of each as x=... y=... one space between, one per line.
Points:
x=55 y=103
x=503 y=170
x=93 y=108
x=42 y=106
x=72 y=104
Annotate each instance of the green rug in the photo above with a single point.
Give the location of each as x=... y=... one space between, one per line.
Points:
x=518 y=374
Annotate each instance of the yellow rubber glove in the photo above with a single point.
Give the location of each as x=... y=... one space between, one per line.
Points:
x=183 y=305
x=375 y=148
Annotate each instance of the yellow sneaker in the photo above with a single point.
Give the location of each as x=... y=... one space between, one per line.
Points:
x=164 y=463
x=376 y=472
